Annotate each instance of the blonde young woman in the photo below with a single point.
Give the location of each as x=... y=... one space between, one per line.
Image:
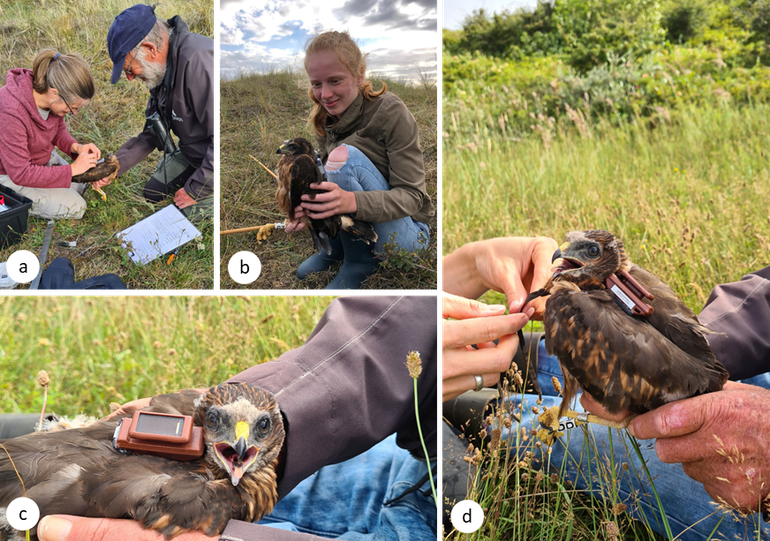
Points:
x=368 y=141
x=32 y=108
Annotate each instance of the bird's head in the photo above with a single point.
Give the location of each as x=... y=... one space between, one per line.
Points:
x=296 y=147
x=588 y=258
x=242 y=428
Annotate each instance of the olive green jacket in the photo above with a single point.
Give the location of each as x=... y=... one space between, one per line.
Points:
x=386 y=132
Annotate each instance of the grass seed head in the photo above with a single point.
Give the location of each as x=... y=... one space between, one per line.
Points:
x=414 y=364
x=42 y=378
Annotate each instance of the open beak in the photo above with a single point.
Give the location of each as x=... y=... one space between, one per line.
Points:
x=237 y=456
x=567 y=263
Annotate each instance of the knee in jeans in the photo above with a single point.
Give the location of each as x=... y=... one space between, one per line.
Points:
x=337 y=158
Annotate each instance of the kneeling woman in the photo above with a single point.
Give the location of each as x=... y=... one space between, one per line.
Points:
x=32 y=108
x=369 y=144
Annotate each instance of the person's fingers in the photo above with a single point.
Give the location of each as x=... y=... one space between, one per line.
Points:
x=482 y=329
x=541 y=259
x=456 y=386
x=128 y=409
x=672 y=419
x=462 y=308
x=594 y=407
x=482 y=361
x=513 y=288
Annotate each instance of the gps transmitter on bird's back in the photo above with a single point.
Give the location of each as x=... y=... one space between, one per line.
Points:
x=160 y=434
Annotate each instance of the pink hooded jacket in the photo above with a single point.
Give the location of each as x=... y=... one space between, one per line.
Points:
x=26 y=140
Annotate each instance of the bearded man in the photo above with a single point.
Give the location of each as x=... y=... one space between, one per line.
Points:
x=177 y=66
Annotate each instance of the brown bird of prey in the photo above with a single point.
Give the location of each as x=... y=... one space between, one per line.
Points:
x=78 y=471
x=297 y=169
x=107 y=169
x=620 y=333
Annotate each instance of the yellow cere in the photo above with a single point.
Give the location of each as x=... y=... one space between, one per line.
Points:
x=564 y=246
x=241 y=431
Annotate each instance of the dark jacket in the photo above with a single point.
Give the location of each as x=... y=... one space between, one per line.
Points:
x=347 y=388
x=739 y=315
x=386 y=132
x=186 y=96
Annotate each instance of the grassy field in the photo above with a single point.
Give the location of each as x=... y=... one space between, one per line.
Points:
x=687 y=195
x=258 y=113
x=116 y=349
x=688 y=198
x=114 y=115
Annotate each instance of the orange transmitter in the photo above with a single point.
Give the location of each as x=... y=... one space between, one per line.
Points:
x=160 y=434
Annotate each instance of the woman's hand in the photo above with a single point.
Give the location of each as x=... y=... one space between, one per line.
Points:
x=90 y=148
x=476 y=324
x=514 y=266
x=334 y=200
x=296 y=224
x=83 y=163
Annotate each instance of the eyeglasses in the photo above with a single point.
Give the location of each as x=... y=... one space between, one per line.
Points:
x=72 y=111
x=127 y=71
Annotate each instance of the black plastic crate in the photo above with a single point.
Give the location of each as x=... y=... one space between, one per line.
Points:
x=13 y=222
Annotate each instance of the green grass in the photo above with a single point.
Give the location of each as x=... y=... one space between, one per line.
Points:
x=688 y=198
x=259 y=112
x=114 y=349
x=114 y=115
x=687 y=195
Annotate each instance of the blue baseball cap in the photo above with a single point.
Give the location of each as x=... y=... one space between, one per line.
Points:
x=127 y=31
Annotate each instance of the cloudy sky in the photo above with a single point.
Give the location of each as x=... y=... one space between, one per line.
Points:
x=455 y=11
x=261 y=35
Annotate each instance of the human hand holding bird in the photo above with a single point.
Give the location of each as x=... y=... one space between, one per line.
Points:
x=235 y=478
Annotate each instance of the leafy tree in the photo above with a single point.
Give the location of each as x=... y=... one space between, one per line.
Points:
x=593 y=28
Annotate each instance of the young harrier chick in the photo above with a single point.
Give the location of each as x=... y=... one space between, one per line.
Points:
x=107 y=169
x=297 y=169
x=625 y=360
x=79 y=472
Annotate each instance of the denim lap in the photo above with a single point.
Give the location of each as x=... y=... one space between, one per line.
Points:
x=684 y=500
x=345 y=501
x=359 y=174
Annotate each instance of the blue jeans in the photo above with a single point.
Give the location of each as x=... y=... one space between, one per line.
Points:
x=359 y=174
x=684 y=500
x=345 y=501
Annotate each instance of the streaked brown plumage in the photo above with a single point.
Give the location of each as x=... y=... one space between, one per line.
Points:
x=297 y=169
x=107 y=169
x=623 y=361
x=77 y=471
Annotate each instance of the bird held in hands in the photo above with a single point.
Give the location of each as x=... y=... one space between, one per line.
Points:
x=297 y=169
x=620 y=333
x=79 y=472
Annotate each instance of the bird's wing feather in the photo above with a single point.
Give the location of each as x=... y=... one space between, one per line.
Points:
x=169 y=496
x=674 y=319
x=622 y=361
x=304 y=172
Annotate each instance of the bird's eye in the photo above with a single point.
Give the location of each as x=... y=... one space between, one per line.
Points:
x=211 y=418
x=593 y=250
x=263 y=426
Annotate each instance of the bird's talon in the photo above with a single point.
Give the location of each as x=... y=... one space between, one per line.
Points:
x=264 y=232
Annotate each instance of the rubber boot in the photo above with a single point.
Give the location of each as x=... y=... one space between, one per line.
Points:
x=359 y=263
x=320 y=261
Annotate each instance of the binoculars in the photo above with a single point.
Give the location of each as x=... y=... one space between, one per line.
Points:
x=163 y=140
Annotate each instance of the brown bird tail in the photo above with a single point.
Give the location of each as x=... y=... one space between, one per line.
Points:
x=363 y=230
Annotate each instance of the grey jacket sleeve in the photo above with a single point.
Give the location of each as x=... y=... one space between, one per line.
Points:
x=347 y=387
x=137 y=148
x=739 y=315
x=199 y=71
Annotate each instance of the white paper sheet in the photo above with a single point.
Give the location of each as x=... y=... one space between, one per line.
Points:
x=157 y=234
